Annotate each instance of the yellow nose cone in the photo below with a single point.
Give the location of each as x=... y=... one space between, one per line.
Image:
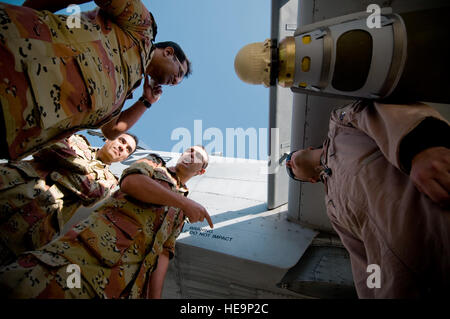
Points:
x=252 y=63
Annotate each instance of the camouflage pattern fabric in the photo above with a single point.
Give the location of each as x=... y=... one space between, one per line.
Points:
x=38 y=197
x=116 y=248
x=57 y=80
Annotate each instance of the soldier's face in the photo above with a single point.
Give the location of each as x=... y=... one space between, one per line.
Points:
x=120 y=148
x=295 y=170
x=167 y=69
x=304 y=165
x=192 y=160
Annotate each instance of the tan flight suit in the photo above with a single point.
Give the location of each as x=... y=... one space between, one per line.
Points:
x=375 y=208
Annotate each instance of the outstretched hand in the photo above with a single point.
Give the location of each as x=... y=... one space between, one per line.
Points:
x=151 y=91
x=196 y=212
x=430 y=172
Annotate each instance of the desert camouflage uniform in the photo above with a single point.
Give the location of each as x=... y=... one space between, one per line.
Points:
x=56 y=80
x=38 y=197
x=116 y=247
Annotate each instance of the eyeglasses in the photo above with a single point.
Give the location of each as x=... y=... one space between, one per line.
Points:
x=197 y=157
x=180 y=68
x=288 y=169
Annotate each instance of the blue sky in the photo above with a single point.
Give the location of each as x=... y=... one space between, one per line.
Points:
x=210 y=32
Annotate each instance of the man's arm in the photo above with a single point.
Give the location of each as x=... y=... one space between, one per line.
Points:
x=77 y=172
x=158 y=276
x=63 y=154
x=147 y=190
x=89 y=188
x=51 y=5
x=389 y=124
x=413 y=138
x=130 y=116
x=425 y=155
x=131 y=15
x=430 y=173
x=124 y=121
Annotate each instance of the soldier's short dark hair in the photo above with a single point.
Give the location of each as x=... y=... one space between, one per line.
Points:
x=179 y=53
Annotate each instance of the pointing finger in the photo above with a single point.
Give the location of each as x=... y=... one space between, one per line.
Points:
x=208 y=218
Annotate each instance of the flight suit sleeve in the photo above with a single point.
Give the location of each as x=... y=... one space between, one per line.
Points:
x=389 y=124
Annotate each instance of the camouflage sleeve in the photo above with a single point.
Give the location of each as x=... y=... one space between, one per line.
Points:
x=72 y=153
x=130 y=15
x=89 y=188
x=16 y=173
x=169 y=245
x=145 y=166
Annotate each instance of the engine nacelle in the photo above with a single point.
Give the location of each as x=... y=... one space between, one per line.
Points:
x=403 y=59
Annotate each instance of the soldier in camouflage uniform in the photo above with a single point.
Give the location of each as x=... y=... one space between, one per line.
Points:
x=56 y=78
x=123 y=248
x=38 y=197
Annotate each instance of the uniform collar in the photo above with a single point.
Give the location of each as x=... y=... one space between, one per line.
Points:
x=146 y=56
x=325 y=171
x=95 y=153
x=180 y=185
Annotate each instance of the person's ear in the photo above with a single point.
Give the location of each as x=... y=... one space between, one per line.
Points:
x=318 y=169
x=105 y=144
x=169 y=51
x=201 y=172
x=313 y=180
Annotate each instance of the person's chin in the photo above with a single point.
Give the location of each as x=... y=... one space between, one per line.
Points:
x=112 y=155
x=158 y=80
x=164 y=81
x=181 y=167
